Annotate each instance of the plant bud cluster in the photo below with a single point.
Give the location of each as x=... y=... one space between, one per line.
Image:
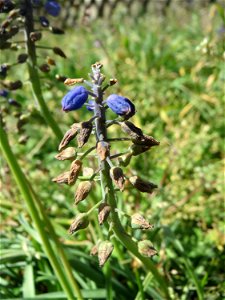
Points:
x=115 y=179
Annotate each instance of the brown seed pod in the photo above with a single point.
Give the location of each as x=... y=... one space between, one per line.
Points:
x=44 y=68
x=35 y=36
x=142 y=185
x=146 y=248
x=62 y=178
x=103 y=212
x=72 y=81
x=82 y=191
x=117 y=176
x=102 y=150
x=50 y=61
x=112 y=81
x=139 y=222
x=56 y=30
x=68 y=153
x=22 y=58
x=105 y=249
x=80 y=222
x=133 y=131
x=75 y=169
x=59 y=52
x=85 y=131
x=13 y=85
x=146 y=140
x=138 y=149
x=69 y=135
x=60 y=78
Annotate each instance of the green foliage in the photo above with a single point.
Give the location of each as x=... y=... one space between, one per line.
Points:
x=173 y=70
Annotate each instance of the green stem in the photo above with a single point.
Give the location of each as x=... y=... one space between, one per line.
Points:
x=33 y=72
x=125 y=239
x=58 y=245
x=27 y=195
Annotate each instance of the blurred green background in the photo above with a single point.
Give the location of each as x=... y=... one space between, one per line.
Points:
x=171 y=65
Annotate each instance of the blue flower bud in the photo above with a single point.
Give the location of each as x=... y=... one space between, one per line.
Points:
x=4 y=93
x=90 y=105
x=44 y=21
x=74 y=99
x=53 y=8
x=121 y=105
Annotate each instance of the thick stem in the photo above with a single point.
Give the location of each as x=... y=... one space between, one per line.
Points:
x=33 y=72
x=118 y=229
x=34 y=212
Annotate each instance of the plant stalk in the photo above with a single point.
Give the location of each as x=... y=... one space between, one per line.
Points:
x=33 y=71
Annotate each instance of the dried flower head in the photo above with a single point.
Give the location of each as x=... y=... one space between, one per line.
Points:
x=105 y=249
x=82 y=191
x=146 y=248
x=80 y=222
x=142 y=185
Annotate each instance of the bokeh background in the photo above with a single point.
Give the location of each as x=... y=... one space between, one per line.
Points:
x=168 y=57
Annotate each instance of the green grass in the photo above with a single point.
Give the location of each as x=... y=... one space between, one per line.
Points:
x=176 y=83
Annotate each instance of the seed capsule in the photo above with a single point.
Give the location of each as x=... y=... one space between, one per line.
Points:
x=82 y=191
x=51 y=61
x=68 y=153
x=142 y=185
x=116 y=174
x=129 y=128
x=56 y=30
x=103 y=212
x=59 y=52
x=139 y=222
x=146 y=248
x=13 y=85
x=35 y=36
x=85 y=131
x=102 y=150
x=75 y=169
x=105 y=249
x=72 y=81
x=22 y=58
x=146 y=141
x=62 y=178
x=60 y=78
x=44 y=68
x=81 y=222
x=69 y=135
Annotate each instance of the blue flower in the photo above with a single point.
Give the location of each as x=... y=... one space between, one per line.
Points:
x=90 y=105
x=74 y=99
x=4 y=93
x=44 y=21
x=53 y=8
x=121 y=105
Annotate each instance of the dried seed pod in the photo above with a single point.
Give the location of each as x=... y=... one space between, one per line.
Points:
x=105 y=249
x=75 y=169
x=139 y=222
x=94 y=250
x=68 y=153
x=72 y=81
x=60 y=78
x=103 y=212
x=117 y=176
x=56 y=30
x=59 y=52
x=5 y=23
x=44 y=68
x=22 y=58
x=125 y=160
x=69 y=135
x=146 y=248
x=142 y=185
x=146 y=140
x=13 y=85
x=62 y=178
x=138 y=149
x=13 y=14
x=129 y=128
x=112 y=81
x=80 y=222
x=102 y=150
x=85 y=131
x=82 y=191
x=50 y=61
x=35 y=36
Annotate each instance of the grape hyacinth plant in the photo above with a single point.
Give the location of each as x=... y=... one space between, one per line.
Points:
x=109 y=172
x=23 y=28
